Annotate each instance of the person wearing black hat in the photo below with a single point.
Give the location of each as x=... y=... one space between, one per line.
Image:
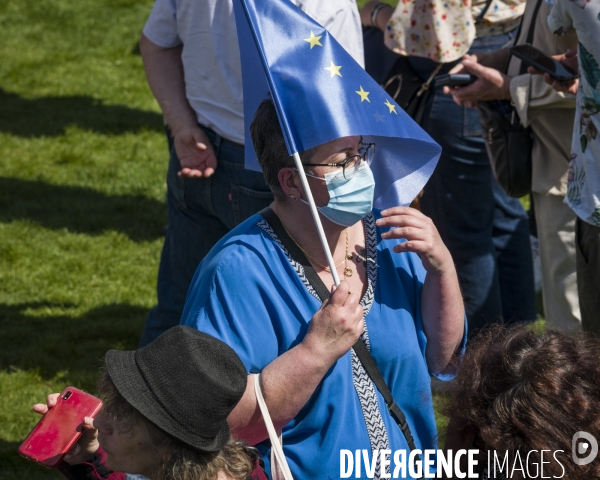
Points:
x=165 y=414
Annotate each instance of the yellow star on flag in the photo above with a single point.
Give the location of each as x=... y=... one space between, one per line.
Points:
x=363 y=95
x=334 y=69
x=391 y=106
x=313 y=40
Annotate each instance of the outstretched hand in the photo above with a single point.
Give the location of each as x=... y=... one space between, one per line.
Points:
x=87 y=443
x=491 y=84
x=421 y=237
x=196 y=153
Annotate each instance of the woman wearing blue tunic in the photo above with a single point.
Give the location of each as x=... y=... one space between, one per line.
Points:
x=250 y=293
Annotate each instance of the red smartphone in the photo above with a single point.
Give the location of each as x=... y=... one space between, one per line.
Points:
x=58 y=430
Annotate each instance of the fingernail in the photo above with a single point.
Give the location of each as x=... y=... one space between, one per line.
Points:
x=385 y=234
x=379 y=222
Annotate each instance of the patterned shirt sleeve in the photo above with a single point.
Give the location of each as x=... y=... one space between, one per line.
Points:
x=443 y=30
x=583 y=191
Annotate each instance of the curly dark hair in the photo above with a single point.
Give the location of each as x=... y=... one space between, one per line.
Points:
x=519 y=391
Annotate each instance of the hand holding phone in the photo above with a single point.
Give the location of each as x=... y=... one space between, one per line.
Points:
x=488 y=83
x=570 y=60
x=533 y=57
x=454 y=80
x=66 y=417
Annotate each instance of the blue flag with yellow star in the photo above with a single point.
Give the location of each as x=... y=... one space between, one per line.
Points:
x=322 y=94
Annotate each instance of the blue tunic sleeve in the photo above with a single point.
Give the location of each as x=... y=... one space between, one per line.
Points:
x=402 y=276
x=246 y=294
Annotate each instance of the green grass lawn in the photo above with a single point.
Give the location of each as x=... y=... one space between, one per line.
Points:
x=82 y=214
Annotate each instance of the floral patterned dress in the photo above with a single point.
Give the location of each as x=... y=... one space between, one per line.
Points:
x=443 y=30
x=583 y=191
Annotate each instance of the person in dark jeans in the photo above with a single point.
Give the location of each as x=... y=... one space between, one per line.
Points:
x=549 y=114
x=192 y=64
x=486 y=231
x=201 y=211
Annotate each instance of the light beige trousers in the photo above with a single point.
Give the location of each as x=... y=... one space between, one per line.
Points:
x=556 y=234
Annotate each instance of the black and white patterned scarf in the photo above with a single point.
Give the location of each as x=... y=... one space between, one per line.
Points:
x=363 y=384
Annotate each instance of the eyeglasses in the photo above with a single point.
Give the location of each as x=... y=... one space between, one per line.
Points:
x=351 y=164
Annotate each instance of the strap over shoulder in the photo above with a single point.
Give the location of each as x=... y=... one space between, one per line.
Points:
x=280 y=469
x=359 y=347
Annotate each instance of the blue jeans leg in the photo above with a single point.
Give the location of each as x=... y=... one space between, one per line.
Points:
x=513 y=255
x=485 y=230
x=200 y=211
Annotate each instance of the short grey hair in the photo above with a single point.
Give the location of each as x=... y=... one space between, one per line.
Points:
x=270 y=147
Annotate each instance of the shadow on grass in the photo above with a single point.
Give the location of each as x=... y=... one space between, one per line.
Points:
x=65 y=349
x=50 y=116
x=12 y=465
x=64 y=345
x=81 y=210
x=135 y=50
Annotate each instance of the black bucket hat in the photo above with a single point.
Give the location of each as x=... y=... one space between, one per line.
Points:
x=185 y=382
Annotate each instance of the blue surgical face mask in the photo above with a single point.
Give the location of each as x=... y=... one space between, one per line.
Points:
x=350 y=199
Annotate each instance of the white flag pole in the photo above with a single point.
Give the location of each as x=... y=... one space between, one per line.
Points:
x=317 y=219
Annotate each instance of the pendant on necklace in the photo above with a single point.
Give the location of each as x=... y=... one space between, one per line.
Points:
x=349 y=256
x=348 y=272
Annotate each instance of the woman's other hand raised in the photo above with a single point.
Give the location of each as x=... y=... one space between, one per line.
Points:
x=421 y=238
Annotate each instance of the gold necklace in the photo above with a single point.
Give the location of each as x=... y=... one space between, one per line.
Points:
x=347 y=270
x=348 y=256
